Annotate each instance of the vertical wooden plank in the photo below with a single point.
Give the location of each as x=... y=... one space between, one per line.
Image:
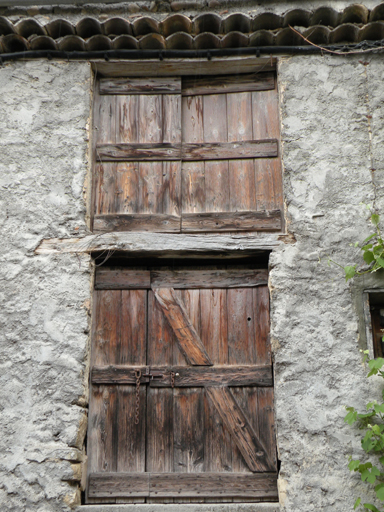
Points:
x=241 y=330
x=131 y=437
x=133 y=327
x=127 y=116
x=159 y=401
x=127 y=184
x=265 y=114
x=188 y=431
x=241 y=172
x=266 y=422
x=214 y=329
x=106 y=172
x=216 y=172
x=102 y=440
x=127 y=174
x=105 y=187
x=189 y=408
x=170 y=199
x=150 y=173
x=106 y=119
x=193 y=173
x=247 y=398
x=106 y=339
x=261 y=325
x=269 y=186
x=266 y=124
x=171 y=184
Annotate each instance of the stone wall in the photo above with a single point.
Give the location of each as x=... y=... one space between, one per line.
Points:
x=326 y=105
x=44 y=300
x=332 y=132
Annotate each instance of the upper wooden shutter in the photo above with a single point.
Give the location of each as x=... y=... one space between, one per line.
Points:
x=191 y=155
x=211 y=436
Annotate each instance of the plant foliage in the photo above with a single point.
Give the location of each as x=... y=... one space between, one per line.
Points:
x=371 y=423
x=373 y=252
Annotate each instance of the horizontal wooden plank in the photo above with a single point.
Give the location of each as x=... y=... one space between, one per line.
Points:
x=221 y=245
x=149 y=85
x=260 y=376
x=212 y=485
x=107 y=485
x=267 y=148
x=121 y=279
x=228 y=83
x=190 y=279
x=184 y=67
x=232 y=221
x=155 y=222
x=138 y=152
x=230 y=150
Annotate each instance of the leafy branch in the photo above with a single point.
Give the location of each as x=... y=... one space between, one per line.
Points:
x=372 y=422
x=373 y=253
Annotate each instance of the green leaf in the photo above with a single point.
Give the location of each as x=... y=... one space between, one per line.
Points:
x=351 y=417
x=369 y=237
x=369 y=506
x=368 y=257
x=381 y=460
x=349 y=272
x=379 y=489
x=379 y=408
x=366 y=247
x=380 y=261
x=354 y=465
x=376 y=363
x=357 y=503
x=375 y=219
x=377 y=250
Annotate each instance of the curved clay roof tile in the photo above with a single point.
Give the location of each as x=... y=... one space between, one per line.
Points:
x=117 y=27
x=372 y=32
x=99 y=43
x=206 y=41
x=43 y=43
x=145 y=25
x=71 y=44
x=88 y=27
x=318 y=34
x=325 y=16
x=236 y=22
x=175 y=23
x=125 y=42
x=287 y=37
x=14 y=43
x=207 y=22
x=377 y=13
x=59 y=28
x=152 y=42
x=262 y=38
x=179 y=41
x=346 y=33
x=235 y=40
x=6 y=27
x=27 y=27
x=355 y=14
x=297 y=17
x=267 y=21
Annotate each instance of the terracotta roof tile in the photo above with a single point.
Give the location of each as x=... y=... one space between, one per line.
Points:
x=208 y=30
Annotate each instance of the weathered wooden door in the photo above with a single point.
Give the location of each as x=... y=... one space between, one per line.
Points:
x=182 y=155
x=181 y=405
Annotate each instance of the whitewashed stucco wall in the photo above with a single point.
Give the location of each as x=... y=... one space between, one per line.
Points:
x=330 y=146
x=44 y=109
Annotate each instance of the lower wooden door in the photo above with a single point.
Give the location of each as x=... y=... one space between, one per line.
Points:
x=181 y=401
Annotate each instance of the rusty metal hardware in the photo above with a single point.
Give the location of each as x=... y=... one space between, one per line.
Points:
x=137 y=412
x=173 y=375
x=152 y=375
